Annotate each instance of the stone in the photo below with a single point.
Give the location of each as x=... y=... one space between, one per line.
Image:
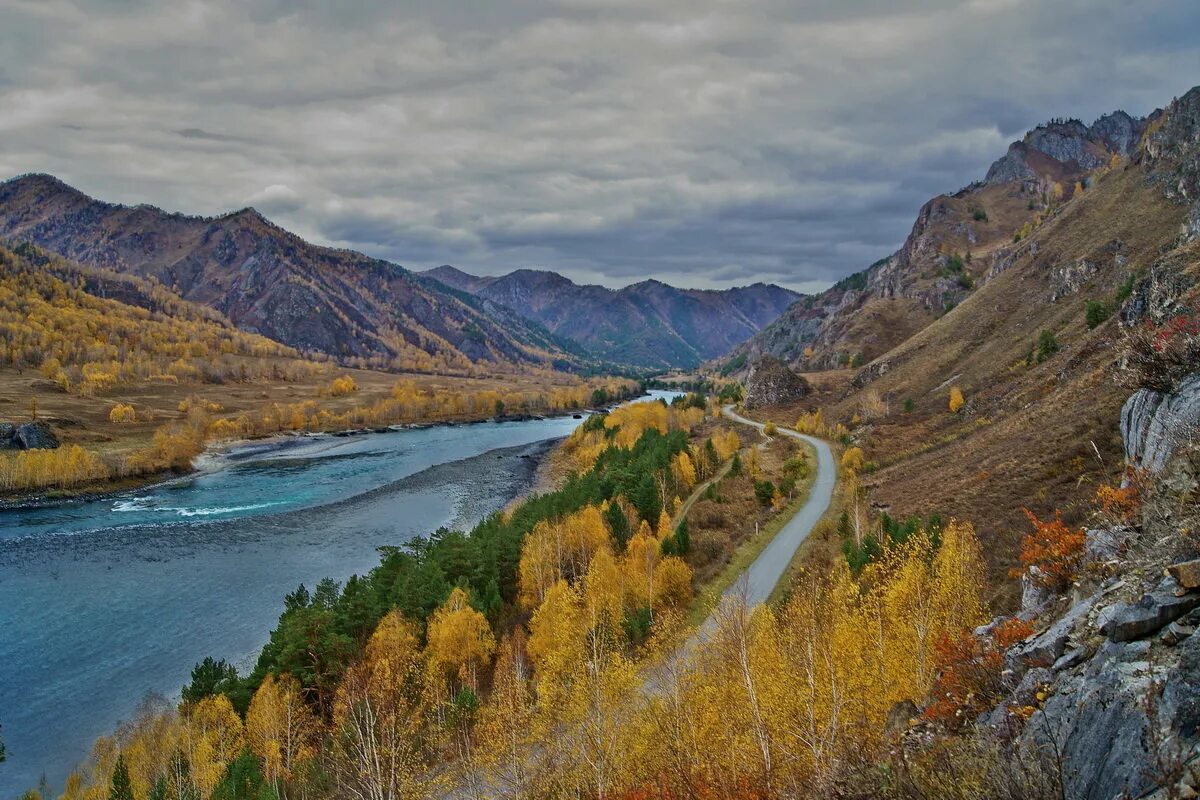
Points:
x=1176 y=632
x=1071 y=659
x=27 y=436
x=1045 y=648
x=1034 y=594
x=36 y=436
x=1186 y=573
x=772 y=383
x=1026 y=693
x=900 y=715
x=1125 y=622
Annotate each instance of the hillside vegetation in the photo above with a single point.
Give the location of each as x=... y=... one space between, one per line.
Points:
x=361 y=311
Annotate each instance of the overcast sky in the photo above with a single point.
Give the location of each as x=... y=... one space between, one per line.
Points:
x=702 y=143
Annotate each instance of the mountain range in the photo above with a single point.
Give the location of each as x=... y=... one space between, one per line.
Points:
x=362 y=311
x=648 y=323
x=369 y=312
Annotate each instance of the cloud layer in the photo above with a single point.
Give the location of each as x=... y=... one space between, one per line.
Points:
x=702 y=142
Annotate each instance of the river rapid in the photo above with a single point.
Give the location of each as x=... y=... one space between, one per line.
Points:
x=107 y=601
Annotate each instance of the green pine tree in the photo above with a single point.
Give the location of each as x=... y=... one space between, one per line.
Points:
x=122 y=787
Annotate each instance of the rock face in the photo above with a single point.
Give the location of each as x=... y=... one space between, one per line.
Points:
x=772 y=383
x=27 y=436
x=1153 y=424
x=1109 y=685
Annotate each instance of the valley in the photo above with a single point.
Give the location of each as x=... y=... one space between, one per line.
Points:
x=289 y=513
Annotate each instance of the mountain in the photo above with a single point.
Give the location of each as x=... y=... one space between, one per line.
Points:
x=955 y=242
x=1037 y=346
x=362 y=311
x=648 y=324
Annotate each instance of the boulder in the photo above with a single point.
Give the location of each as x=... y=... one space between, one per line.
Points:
x=1126 y=622
x=1186 y=573
x=35 y=436
x=27 y=436
x=772 y=383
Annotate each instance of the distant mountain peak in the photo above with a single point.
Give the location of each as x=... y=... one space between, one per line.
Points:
x=649 y=323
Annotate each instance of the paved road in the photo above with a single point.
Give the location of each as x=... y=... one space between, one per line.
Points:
x=761 y=577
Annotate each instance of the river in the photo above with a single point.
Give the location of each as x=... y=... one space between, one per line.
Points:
x=106 y=601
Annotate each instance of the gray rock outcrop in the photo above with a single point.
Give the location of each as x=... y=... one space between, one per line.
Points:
x=771 y=382
x=27 y=436
x=1154 y=424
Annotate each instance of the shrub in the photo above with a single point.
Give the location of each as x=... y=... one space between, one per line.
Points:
x=979 y=215
x=1096 y=313
x=909 y=405
x=122 y=413
x=764 y=491
x=957 y=401
x=1055 y=549
x=954 y=263
x=340 y=387
x=1159 y=357
x=769 y=429
x=1047 y=345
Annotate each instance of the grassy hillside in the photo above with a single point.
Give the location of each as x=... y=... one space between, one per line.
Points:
x=1039 y=429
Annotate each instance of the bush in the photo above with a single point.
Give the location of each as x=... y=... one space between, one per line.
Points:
x=122 y=413
x=1096 y=313
x=1055 y=549
x=764 y=491
x=1047 y=345
x=340 y=387
x=909 y=405
x=769 y=429
x=1159 y=357
x=979 y=215
x=957 y=401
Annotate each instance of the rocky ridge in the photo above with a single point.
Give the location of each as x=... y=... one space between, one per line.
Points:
x=359 y=310
x=958 y=241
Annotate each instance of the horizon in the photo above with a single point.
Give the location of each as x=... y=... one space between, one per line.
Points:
x=607 y=143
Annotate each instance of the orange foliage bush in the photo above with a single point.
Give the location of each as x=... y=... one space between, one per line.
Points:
x=1055 y=549
x=1121 y=502
x=968 y=679
x=1011 y=631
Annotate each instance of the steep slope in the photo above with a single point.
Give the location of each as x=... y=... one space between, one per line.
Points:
x=1042 y=375
x=949 y=249
x=649 y=324
x=360 y=310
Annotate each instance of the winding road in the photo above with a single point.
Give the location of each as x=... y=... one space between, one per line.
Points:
x=761 y=577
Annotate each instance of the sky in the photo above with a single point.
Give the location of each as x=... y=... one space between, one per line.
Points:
x=704 y=143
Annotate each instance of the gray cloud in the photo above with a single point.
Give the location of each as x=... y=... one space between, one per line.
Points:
x=700 y=142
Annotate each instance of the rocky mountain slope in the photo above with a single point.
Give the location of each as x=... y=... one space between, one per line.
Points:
x=647 y=324
x=1038 y=349
x=953 y=245
x=361 y=310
